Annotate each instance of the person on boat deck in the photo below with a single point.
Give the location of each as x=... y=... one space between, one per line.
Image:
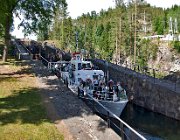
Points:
x=88 y=83
x=95 y=83
x=110 y=87
x=100 y=86
x=118 y=89
x=81 y=83
x=102 y=90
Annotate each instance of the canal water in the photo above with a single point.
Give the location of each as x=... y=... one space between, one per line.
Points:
x=153 y=126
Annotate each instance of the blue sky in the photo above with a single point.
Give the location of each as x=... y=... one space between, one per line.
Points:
x=77 y=7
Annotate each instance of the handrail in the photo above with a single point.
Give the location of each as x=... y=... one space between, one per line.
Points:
x=26 y=49
x=50 y=63
x=19 y=52
x=44 y=58
x=17 y=47
x=116 y=117
x=121 y=121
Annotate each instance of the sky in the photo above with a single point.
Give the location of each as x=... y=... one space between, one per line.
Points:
x=78 y=7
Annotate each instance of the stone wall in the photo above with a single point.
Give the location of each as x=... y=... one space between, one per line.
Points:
x=146 y=91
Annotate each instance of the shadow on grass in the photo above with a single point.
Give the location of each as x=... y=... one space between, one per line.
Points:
x=9 y=79
x=24 y=106
x=26 y=71
x=67 y=104
x=10 y=61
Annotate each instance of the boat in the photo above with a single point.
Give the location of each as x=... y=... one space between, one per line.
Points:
x=111 y=96
x=90 y=83
x=79 y=70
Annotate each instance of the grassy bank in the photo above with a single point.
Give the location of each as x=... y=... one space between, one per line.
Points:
x=22 y=115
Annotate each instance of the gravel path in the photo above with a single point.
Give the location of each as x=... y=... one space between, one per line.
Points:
x=70 y=114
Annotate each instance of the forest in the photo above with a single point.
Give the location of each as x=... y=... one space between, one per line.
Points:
x=112 y=34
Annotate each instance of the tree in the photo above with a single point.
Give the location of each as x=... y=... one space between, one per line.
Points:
x=61 y=26
x=34 y=12
x=119 y=3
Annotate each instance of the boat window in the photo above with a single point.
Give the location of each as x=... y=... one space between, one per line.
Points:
x=83 y=66
x=78 y=58
x=95 y=76
x=79 y=66
x=86 y=66
x=73 y=67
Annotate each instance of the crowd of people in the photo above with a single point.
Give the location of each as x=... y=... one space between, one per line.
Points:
x=103 y=90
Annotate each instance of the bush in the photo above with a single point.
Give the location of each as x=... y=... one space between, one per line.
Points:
x=176 y=45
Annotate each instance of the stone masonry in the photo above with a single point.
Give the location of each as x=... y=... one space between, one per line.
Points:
x=146 y=91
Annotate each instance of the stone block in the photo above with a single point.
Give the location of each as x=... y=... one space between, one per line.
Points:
x=177 y=115
x=170 y=114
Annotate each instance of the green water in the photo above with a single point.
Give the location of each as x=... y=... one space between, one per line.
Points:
x=152 y=125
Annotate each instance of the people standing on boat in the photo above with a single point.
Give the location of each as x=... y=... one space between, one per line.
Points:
x=118 y=89
x=110 y=88
x=95 y=83
x=102 y=89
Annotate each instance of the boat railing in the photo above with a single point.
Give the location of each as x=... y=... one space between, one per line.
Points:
x=51 y=65
x=122 y=126
x=105 y=95
x=126 y=132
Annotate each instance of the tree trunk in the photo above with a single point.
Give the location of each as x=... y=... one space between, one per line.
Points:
x=7 y=36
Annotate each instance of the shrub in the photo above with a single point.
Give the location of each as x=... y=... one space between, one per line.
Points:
x=176 y=45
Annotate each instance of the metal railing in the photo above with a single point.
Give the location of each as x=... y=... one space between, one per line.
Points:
x=52 y=64
x=126 y=132
x=44 y=61
x=131 y=135
x=19 y=52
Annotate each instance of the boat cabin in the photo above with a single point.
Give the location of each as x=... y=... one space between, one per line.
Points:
x=78 y=64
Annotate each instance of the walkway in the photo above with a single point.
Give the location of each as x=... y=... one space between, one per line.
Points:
x=22 y=52
x=71 y=115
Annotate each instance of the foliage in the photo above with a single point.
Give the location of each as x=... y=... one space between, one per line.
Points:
x=146 y=50
x=61 y=29
x=22 y=115
x=112 y=32
x=103 y=35
x=36 y=14
x=176 y=45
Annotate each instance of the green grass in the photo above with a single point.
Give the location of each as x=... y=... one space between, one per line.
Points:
x=22 y=115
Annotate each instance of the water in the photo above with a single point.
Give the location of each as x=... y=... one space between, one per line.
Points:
x=152 y=125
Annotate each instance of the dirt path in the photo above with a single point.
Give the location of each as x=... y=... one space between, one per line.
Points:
x=69 y=113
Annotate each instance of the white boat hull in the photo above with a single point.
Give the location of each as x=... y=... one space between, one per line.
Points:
x=115 y=107
x=75 y=75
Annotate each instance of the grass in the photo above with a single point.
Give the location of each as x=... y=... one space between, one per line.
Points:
x=22 y=115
